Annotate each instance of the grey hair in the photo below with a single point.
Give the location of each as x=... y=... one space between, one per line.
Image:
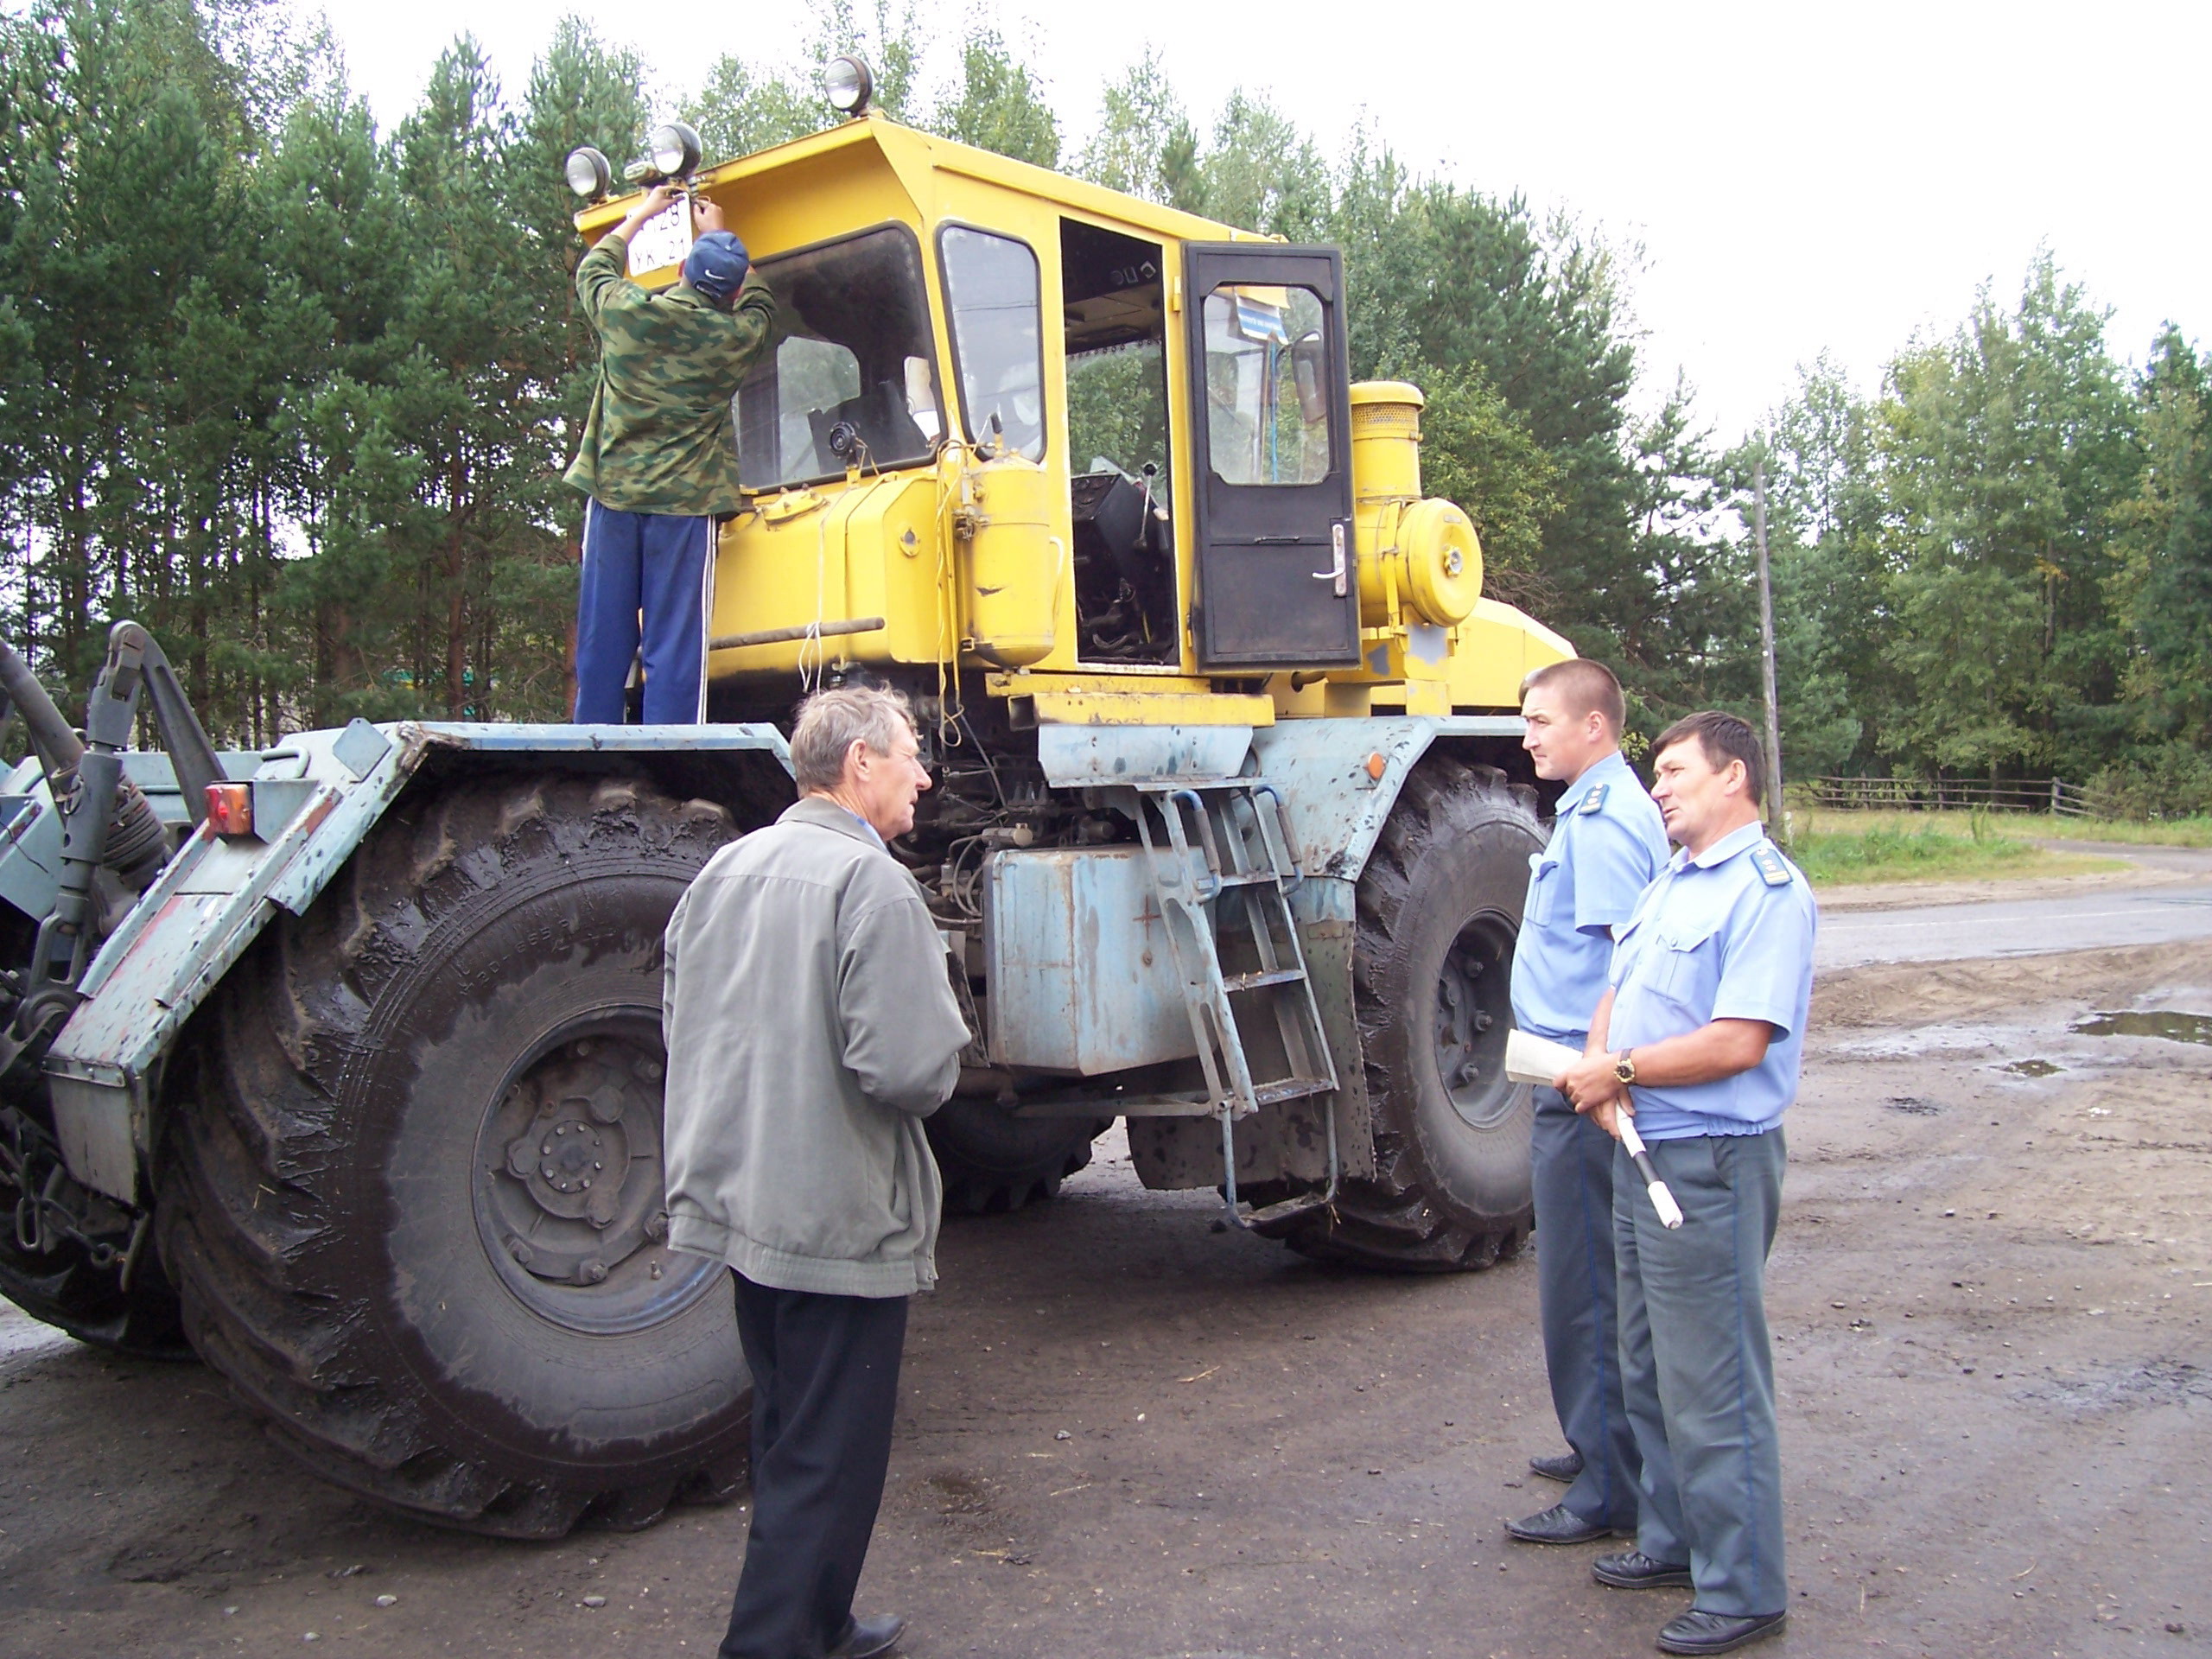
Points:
x=830 y=723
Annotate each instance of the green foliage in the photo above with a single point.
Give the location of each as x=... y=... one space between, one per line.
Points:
x=2006 y=451
x=1000 y=104
x=2161 y=592
x=1144 y=145
x=2171 y=781
x=1477 y=452
x=1882 y=853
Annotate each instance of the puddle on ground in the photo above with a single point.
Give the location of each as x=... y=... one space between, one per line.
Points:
x=2032 y=1069
x=2169 y=1023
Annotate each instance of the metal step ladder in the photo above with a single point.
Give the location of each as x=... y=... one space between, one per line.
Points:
x=1224 y=881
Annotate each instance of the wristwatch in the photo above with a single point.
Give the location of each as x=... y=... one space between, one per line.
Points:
x=1625 y=1065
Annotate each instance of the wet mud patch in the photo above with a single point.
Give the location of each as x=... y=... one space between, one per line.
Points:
x=2123 y=1387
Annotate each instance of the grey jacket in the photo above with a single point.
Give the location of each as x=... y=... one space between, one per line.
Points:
x=810 y=1028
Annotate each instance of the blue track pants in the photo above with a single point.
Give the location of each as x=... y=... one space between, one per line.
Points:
x=659 y=564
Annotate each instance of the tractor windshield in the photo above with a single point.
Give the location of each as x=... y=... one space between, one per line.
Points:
x=850 y=381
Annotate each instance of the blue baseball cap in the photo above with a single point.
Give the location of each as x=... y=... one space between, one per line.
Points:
x=716 y=266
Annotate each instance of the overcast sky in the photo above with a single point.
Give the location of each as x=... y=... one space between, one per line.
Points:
x=1799 y=178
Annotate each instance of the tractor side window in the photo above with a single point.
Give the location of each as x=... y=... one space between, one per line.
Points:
x=1267 y=390
x=849 y=382
x=991 y=290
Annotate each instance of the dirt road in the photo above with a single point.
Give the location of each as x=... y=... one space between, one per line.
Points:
x=2160 y=894
x=1125 y=1436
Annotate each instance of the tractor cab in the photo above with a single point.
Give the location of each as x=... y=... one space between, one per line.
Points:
x=1024 y=426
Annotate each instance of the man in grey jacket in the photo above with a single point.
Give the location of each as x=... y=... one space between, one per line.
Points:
x=810 y=1028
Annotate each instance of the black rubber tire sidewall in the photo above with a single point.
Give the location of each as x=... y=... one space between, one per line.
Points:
x=1480 y=870
x=448 y=1030
x=992 y=1160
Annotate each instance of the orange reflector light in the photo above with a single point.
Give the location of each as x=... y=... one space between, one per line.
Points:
x=1376 y=765
x=229 y=809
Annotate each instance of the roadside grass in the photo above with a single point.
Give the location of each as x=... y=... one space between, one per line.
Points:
x=1840 y=848
x=2171 y=832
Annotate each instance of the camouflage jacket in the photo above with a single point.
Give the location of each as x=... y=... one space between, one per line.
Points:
x=660 y=436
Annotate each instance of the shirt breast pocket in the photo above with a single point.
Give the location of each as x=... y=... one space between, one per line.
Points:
x=1686 y=967
x=1543 y=887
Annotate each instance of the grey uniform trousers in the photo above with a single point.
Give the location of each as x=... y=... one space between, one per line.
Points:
x=1573 y=1168
x=1697 y=1374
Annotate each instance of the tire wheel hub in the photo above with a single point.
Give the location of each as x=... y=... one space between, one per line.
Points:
x=1473 y=1012
x=570 y=1198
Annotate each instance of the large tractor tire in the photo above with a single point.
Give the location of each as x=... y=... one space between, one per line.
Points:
x=992 y=1160
x=1438 y=906
x=416 y=1207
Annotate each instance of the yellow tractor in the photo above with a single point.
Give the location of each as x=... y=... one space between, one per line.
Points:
x=1232 y=824
x=342 y=1061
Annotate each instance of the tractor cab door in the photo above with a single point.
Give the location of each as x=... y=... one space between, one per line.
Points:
x=1272 y=458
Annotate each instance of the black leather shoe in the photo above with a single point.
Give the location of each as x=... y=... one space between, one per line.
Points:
x=1697 y=1633
x=1562 y=1469
x=864 y=1639
x=1557 y=1525
x=1634 y=1570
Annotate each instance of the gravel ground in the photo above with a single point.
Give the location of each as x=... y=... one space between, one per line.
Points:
x=1126 y=1435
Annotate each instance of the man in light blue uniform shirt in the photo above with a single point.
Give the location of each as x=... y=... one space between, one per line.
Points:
x=1607 y=843
x=1699 y=1039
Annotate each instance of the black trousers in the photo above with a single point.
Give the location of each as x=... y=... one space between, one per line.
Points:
x=1573 y=1177
x=826 y=1383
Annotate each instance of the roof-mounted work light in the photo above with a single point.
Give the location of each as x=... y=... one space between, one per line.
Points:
x=590 y=174
x=674 y=150
x=847 y=83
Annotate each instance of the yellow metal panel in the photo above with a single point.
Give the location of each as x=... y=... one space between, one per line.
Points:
x=835 y=553
x=1492 y=651
x=1074 y=708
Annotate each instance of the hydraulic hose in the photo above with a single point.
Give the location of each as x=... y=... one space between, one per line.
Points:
x=138 y=846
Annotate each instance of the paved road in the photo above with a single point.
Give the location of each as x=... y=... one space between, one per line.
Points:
x=2017 y=927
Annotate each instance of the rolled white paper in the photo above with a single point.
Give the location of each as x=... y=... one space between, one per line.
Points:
x=1530 y=1058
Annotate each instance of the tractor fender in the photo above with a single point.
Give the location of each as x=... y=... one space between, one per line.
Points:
x=316 y=797
x=1340 y=779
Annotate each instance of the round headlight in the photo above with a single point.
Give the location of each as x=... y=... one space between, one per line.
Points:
x=675 y=150
x=847 y=84
x=588 y=173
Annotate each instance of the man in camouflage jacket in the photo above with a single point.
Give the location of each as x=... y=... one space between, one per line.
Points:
x=659 y=459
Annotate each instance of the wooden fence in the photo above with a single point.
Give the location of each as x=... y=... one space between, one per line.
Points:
x=1958 y=794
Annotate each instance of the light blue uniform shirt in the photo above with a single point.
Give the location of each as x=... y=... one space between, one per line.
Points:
x=1727 y=935
x=1608 y=841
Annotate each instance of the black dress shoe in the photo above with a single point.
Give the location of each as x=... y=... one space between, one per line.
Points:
x=1563 y=1468
x=1697 y=1633
x=1634 y=1570
x=1557 y=1525
x=864 y=1639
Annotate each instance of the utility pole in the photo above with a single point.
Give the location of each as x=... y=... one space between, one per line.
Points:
x=1777 y=822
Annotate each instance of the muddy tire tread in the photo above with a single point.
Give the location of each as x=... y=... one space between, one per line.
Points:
x=243 y=1226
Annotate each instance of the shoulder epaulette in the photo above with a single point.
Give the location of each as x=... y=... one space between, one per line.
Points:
x=1594 y=801
x=1769 y=863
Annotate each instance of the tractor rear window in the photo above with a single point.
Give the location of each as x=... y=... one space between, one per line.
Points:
x=850 y=381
